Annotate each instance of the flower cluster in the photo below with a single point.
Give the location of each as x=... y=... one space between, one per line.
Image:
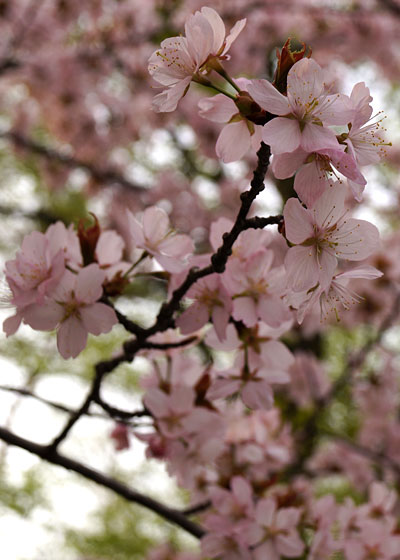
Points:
x=59 y=278
x=301 y=127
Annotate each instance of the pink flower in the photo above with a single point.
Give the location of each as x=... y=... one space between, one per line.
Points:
x=275 y=534
x=335 y=296
x=75 y=310
x=303 y=113
x=381 y=502
x=67 y=240
x=338 y=292
x=211 y=300
x=35 y=271
x=236 y=503
x=317 y=171
x=228 y=545
x=171 y=410
x=365 y=143
x=256 y=290
x=155 y=236
x=322 y=235
x=239 y=134
x=180 y=59
x=254 y=383
x=374 y=540
x=308 y=380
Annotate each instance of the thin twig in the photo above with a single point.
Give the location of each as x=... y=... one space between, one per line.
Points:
x=52 y=456
x=21 y=391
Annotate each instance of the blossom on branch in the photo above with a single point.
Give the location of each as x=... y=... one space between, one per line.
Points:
x=155 y=236
x=183 y=59
x=322 y=235
x=317 y=171
x=211 y=301
x=304 y=114
x=74 y=309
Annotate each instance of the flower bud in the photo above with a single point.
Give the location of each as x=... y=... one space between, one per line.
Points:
x=292 y=51
x=88 y=237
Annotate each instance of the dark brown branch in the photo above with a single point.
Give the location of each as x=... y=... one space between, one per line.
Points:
x=129 y=325
x=169 y=345
x=119 y=413
x=220 y=258
x=107 y=176
x=199 y=508
x=258 y=222
x=52 y=456
x=218 y=262
x=84 y=409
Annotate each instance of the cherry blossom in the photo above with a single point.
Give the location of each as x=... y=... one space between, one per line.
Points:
x=75 y=310
x=171 y=410
x=375 y=540
x=211 y=301
x=256 y=289
x=304 y=113
x=38 y=268
x=322 y=235
x=317 y=171
x=275 y=532
x=155 y=236
x=366 y=142
x=35 y=271
x=108 y=254
x=181 y=59
x=335 y=297
x=233 y=414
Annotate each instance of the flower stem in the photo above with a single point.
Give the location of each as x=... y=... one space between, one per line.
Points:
x=222 y=72
x=207 y=83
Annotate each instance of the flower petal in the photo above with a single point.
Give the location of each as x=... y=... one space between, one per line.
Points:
x=283 y=135
x=71 y=337
x=218 y=108
x=233 y=142
x=98 y=318
x=298 y=222
x=315 y=137
x=89 y=280
x=268 y=97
